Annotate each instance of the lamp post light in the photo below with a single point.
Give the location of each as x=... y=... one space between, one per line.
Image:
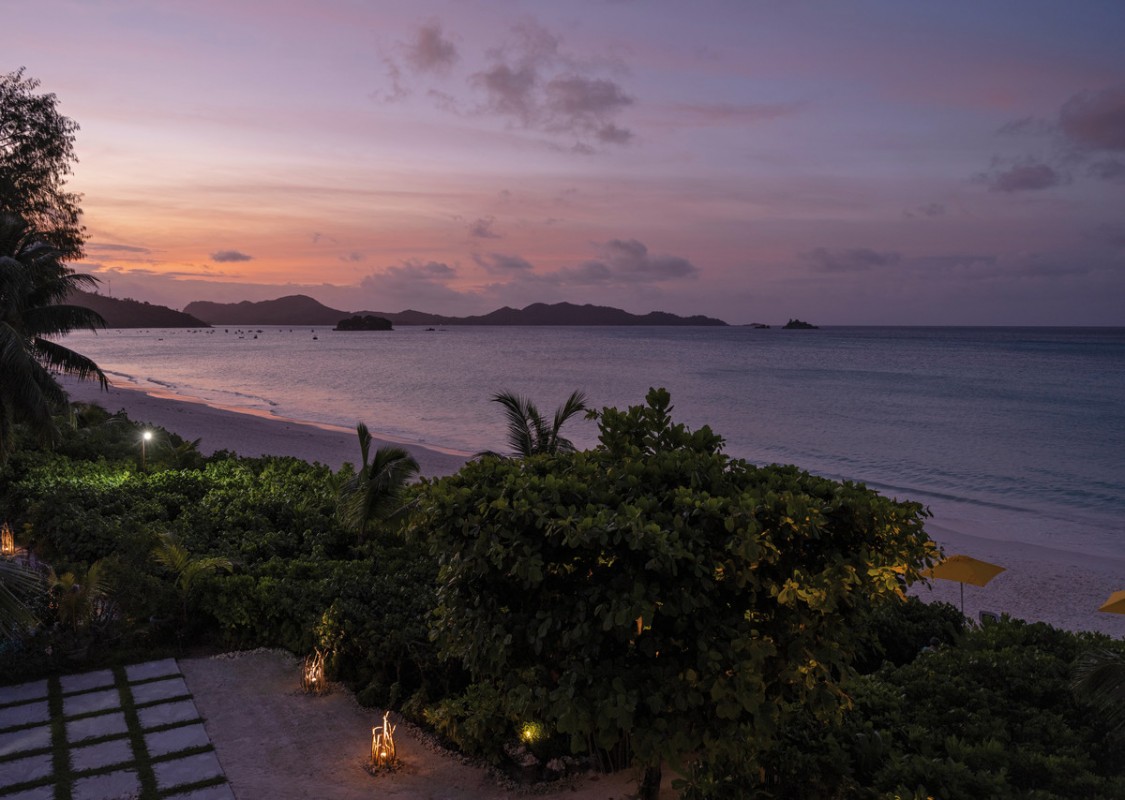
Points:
x=145 y=438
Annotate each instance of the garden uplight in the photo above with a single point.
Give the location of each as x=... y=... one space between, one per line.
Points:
x=383 y=745
x=312 y=674
x=7 y=541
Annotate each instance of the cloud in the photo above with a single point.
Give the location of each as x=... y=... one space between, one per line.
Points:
x=1109 y=169
x=729 y=113
x=430 y=51
x=412 y=272
x=352 y=257
x=116 y=248
x=527 y=80
x=1095 y=122
x=482 y=229
x=627 y=261
x=856 y=259
x=500 y=264
x=510 y=91
x=927 y=210
x=1027 y=176
x=579 y=100
x=224 y=256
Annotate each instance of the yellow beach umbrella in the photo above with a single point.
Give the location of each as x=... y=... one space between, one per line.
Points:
x=1115 y=604
x=964 y=569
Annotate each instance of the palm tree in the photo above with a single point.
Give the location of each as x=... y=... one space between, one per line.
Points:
x=186 y=568
x=34 y=284
x=79 y=596
x=529 y=434
x=375 y=492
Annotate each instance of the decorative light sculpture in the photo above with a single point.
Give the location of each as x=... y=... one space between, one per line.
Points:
x=383 y=745
x=312 y=674
x=7 y=541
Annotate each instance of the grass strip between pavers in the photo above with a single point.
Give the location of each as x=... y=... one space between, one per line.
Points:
x=136 y=736
x=64 y=775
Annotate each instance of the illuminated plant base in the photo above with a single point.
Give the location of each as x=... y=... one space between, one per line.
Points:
x=7 y=541
x=312 y=674
x=383 y=756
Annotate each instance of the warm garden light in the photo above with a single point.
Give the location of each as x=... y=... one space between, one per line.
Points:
x=7 y=541
x=312 y=674
x=531 y=732
x=383 y=744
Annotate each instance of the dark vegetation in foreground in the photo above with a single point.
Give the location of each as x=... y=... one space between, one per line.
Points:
x=649 y=601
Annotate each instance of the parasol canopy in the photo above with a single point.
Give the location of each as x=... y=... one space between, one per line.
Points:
x=1115 y=604
x=964 y=569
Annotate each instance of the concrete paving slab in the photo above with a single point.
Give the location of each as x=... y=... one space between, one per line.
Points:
x=36 y=690
x=26 y=769
x=220 y=792
x=86 y=681
x=187 y=770
x=176 y=739
x=24 y=714
x=38 y=793
x=27 y=739
x=103 y=700
x=103 y=754
x=167 y=713
x=111 y=786
x=78 y=730
x=152 y=669
x=159 y=690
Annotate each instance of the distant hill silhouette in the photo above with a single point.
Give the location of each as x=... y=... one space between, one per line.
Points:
x=295 y=309
x=302 y=310
x=120 y=312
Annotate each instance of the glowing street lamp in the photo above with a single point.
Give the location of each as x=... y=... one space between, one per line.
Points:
x=145 y=437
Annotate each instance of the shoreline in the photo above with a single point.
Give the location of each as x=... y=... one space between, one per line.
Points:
x=250 y=432
x=1060 y=587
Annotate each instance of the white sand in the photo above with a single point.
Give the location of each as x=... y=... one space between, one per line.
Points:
x=1060 y=587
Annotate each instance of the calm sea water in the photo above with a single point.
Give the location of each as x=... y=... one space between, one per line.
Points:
x=1010 y=433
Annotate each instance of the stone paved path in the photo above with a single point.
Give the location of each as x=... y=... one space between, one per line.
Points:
x=124 y=734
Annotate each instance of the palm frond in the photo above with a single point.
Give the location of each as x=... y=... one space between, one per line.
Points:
x=64 y=360
x=16 y=583
x=521 y=414
x=1098 y=678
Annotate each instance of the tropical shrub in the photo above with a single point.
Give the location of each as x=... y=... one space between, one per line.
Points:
x=655 y=594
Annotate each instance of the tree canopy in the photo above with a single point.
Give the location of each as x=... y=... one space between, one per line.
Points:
x=36 y=154
x=654 y=594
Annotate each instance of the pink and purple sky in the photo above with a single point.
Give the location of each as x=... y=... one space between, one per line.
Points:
x=863 y=162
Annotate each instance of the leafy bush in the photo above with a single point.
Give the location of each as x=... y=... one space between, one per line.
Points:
x=656 y=593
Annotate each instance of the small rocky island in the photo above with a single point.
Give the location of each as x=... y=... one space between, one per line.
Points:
x=367 y=322
x=799 y=325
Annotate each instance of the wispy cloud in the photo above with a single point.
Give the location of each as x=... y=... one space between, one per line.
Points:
x=1027 y=176
x=482 y=229
x=856 y=259
x=528 y=81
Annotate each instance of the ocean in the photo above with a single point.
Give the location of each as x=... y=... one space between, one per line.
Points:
x=1010 y=433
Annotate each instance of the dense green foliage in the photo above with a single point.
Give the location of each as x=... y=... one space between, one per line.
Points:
x=654 y=593
x=650 y=596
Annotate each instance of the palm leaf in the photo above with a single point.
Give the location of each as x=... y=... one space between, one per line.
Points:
x=16 y=583
x=1099 y=679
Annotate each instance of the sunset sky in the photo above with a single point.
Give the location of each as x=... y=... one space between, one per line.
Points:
x=851 y=162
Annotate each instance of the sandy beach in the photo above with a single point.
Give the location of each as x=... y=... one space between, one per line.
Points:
x=1043 y=584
